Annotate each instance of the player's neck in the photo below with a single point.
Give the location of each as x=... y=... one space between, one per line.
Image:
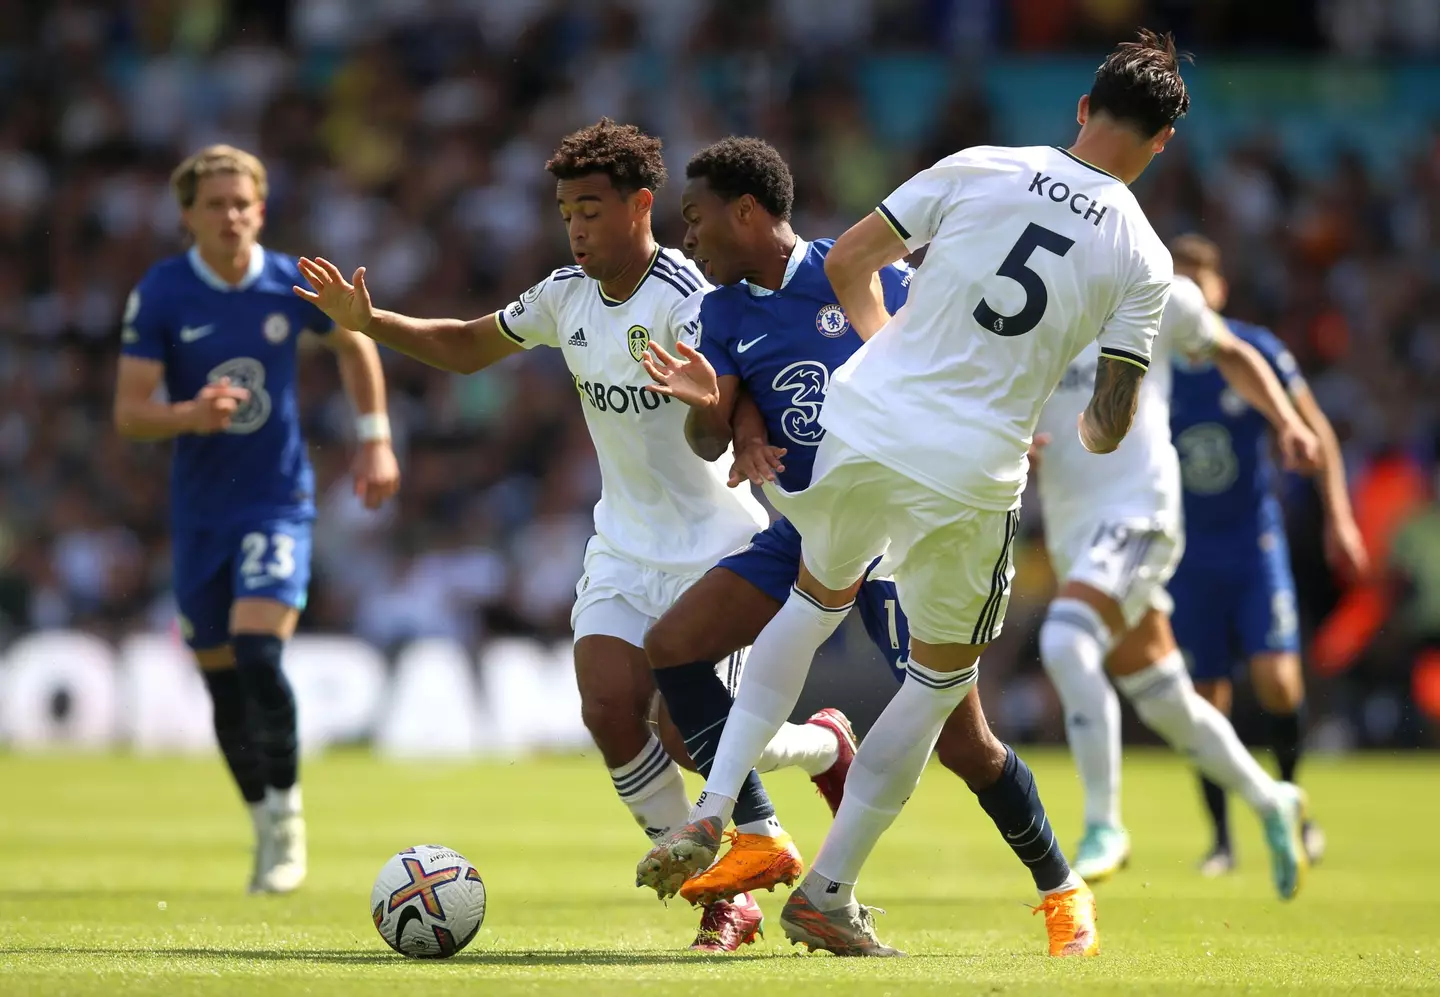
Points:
x=231 y=268
x=629 y=276
x=773 y=258
x=1116 y=156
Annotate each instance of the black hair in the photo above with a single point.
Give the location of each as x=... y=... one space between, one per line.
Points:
x=1139 y=83
x=629 y=157
x=735 y=166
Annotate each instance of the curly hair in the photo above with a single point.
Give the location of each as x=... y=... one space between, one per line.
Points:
x=629 y=157
x=735 y=166
x=1139 y=83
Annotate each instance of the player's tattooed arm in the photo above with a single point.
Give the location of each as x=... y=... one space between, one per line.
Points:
x=1111 y=411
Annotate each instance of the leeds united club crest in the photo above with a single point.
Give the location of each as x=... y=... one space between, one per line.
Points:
x=639 y=338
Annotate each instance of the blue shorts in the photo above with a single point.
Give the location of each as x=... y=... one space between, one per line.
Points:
x=771 y=562
x=1228 y=609
x=259 y=559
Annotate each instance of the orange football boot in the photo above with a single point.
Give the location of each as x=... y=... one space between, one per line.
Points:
x=1070 y=922
x=753 y=862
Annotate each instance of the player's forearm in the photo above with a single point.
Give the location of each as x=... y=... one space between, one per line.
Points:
x=148 y=419
x=1111 y=412
x=449 y=344
x=1245 y=370
x=1334 y=489
x=360 y=371
x=708 y=432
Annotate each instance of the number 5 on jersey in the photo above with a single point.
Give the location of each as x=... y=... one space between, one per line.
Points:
x=1037 y=297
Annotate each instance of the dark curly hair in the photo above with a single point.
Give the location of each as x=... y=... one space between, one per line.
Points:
x=1139 y=83
x=629 y=157
x=735 y=166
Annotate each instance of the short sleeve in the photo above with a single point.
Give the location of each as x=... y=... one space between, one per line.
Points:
x=530 y=319
x=1280 y=358
x=917 y=207
x=142 y=330
x=895 y=283
x=710 y=332
x=685 y=319
x=1130 y=333
x=315 y=320
x=1188 y=325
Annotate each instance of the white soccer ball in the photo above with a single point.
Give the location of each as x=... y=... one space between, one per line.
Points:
x=428 y=902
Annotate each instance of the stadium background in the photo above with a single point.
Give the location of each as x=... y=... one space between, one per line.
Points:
x=410 y=136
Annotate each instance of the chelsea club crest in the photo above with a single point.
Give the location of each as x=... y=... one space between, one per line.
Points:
x=831 y=321
x=639 y=340
x=276 y=328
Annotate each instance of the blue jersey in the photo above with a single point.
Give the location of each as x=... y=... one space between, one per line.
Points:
x=1224 y=447
x=785 y=345
x=202 y=329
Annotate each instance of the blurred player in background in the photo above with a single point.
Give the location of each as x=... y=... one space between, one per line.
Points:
x=1113 y=529
x=665 y=516
x=1234 y=590
x=218 y=328
x=771 y=338
x=1034 y=252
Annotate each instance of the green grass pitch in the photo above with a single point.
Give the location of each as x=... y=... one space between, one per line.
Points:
x=122 y=876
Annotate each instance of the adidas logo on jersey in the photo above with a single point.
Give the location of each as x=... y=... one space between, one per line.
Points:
x=578 y=339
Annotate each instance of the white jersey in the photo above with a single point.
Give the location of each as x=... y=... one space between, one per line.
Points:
x=660 y=504
x=1141 y=479
x=1033 y=255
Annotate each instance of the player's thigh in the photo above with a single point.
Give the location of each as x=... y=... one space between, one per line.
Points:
x=203 y=585
x=1127 y=561
x=1204 y=621
x=271 y=576
x=878 y=603
x=726 y=609
x=953 y=573
x=215 y=659
x=1278 y=681
x=844 y=517
x=616 y=688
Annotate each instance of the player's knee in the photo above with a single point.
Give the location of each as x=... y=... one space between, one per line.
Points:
x=667 y=645
x=257 y=660
x=227 y=696
x=1162 y=695
x=1067 y=622
x=612 y=716
x=1278 y=683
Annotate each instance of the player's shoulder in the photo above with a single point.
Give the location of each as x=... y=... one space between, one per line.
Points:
x=672 y=269
x=168 y=274
x=1264 y=340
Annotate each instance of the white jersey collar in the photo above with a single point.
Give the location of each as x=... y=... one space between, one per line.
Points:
x=797 y=256
x=203 y=271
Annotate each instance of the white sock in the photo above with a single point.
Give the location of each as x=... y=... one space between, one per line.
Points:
x=886 y=770
x=774 y=676
x=1074 y=641
x=1167 y=702
x=650 y=784
x=808 y=747
x=283 y=802
x=766 y=827
x=827 y=894
x=259 y=817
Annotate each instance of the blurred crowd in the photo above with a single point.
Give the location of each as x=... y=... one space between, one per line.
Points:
x=410 y=135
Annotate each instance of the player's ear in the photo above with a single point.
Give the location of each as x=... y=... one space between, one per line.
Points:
x=744 y=207
x=1157 y=144
x=1082 y=110
x=642 y=200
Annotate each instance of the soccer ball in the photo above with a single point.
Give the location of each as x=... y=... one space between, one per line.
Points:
x=428 y=902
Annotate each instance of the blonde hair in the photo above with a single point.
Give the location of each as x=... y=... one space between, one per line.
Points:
x=214 y=160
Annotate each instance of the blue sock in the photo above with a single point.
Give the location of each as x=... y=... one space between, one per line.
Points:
x=1013 y=803
x=232 y=731
x=1287 y=740
x=1219 y=811
x=699 y=704
x=257 y=659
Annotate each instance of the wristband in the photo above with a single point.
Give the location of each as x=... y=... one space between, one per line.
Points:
x=372 y=427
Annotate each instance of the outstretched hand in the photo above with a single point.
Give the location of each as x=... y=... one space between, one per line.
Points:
x=347 y=305
x=688 y=378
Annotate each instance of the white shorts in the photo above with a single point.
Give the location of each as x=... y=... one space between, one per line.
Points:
x=622 y=598
x=952 y=563
x=1128 y=559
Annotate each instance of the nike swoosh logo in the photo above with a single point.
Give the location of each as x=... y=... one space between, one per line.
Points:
x=191 y=333
x=742 y=347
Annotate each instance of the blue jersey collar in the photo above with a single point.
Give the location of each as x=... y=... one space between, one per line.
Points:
x=203 y=271
x=797 y=256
